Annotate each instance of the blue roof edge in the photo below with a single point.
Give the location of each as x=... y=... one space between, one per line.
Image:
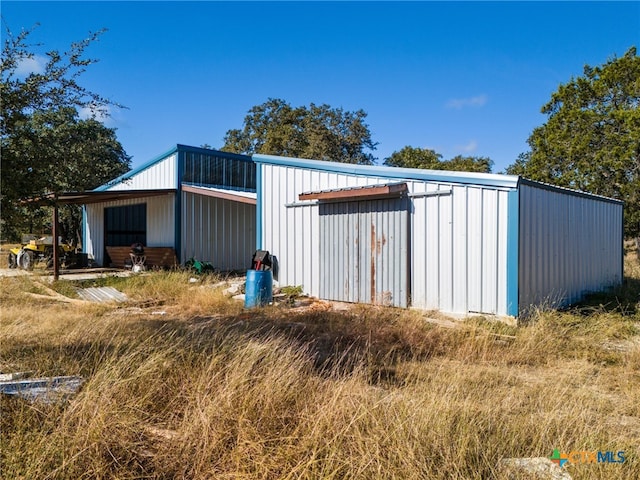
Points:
x=567 y=191
x=488 y=179
x=176 y=148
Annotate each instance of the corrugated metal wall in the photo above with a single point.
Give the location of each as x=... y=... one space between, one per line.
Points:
x=160 y=223
x=364 y=249
x=161 y=174
x=459 y=254
x=218 y=231
x=458 y=237
x=290 y=229
x=569 y=245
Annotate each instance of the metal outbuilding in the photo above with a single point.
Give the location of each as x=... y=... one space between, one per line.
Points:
x=457 y=242
x=198 y=201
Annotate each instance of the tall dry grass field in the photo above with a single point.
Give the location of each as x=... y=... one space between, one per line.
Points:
x=183 y=383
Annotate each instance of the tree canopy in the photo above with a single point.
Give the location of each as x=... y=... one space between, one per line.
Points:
x=591 y=140
x=413 y=157
x=46 y=146
x=317 y=131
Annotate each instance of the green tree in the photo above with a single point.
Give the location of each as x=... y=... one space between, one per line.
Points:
x=591 y=140
x=413 y=157
x=46 y=146
x=469 y=164
x=317 y=131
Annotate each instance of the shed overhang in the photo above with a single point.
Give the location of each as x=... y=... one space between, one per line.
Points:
x=93 y=196
x=368 y=192
x=242 y=197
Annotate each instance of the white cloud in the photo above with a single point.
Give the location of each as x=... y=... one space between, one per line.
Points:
x=468 y=148
x=35 y=64
x=101 y=114
x=460 y=103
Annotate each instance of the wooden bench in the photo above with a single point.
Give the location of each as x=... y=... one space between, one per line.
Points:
x=155 y=257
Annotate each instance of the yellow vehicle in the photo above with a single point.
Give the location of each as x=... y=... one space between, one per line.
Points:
x=37 y=251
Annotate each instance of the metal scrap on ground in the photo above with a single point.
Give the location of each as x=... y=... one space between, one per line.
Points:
x=102 y=295
x=47 y=390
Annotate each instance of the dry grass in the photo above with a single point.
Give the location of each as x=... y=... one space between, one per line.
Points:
x=208 y=390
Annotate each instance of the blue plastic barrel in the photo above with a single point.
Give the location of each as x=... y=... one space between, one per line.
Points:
x=259 y=288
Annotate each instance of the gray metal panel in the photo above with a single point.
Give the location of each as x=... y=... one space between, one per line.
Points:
x=102 y=294
x=364 y=251
x=569 y=245
x=289 y=229
x=218 y=231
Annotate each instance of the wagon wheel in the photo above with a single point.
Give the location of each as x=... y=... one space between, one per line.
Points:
x=13 y=260
x=27 y=260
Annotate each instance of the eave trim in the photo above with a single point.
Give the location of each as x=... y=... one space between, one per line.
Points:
x=207 y=192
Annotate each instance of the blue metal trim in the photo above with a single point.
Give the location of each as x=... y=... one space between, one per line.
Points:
x=217 y=153
x=177 y=236
x=84 y=229
x=513 y=258
x=135 y=171
x=487 y=179
x=258 y=206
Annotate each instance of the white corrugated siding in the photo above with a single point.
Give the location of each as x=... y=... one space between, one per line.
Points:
x=160 y=223
x=459 y=255
x=218 y=231
x=569 y=245
x=161 y=174
x=457 y=238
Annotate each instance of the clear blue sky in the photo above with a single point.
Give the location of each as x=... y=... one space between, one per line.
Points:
x=463 y=78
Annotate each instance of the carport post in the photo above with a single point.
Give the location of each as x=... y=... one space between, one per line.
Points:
x=54 y=232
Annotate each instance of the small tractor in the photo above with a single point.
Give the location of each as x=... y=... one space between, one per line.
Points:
x=40 y=250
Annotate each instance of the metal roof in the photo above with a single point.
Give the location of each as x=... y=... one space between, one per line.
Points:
x=177 y=148
x=92 y=196
x=487 y=179
x=568 y=191
x=359 y=192
x=497 y=180
x=233 y=195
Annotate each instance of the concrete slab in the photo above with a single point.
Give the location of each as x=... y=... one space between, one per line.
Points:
x=84 y=274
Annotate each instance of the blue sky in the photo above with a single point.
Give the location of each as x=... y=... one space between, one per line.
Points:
x=462 y=78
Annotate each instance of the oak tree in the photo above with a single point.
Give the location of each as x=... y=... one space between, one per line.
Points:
x=46 y=146
x=413 y=157
x=591 y=140
x=318 y=131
